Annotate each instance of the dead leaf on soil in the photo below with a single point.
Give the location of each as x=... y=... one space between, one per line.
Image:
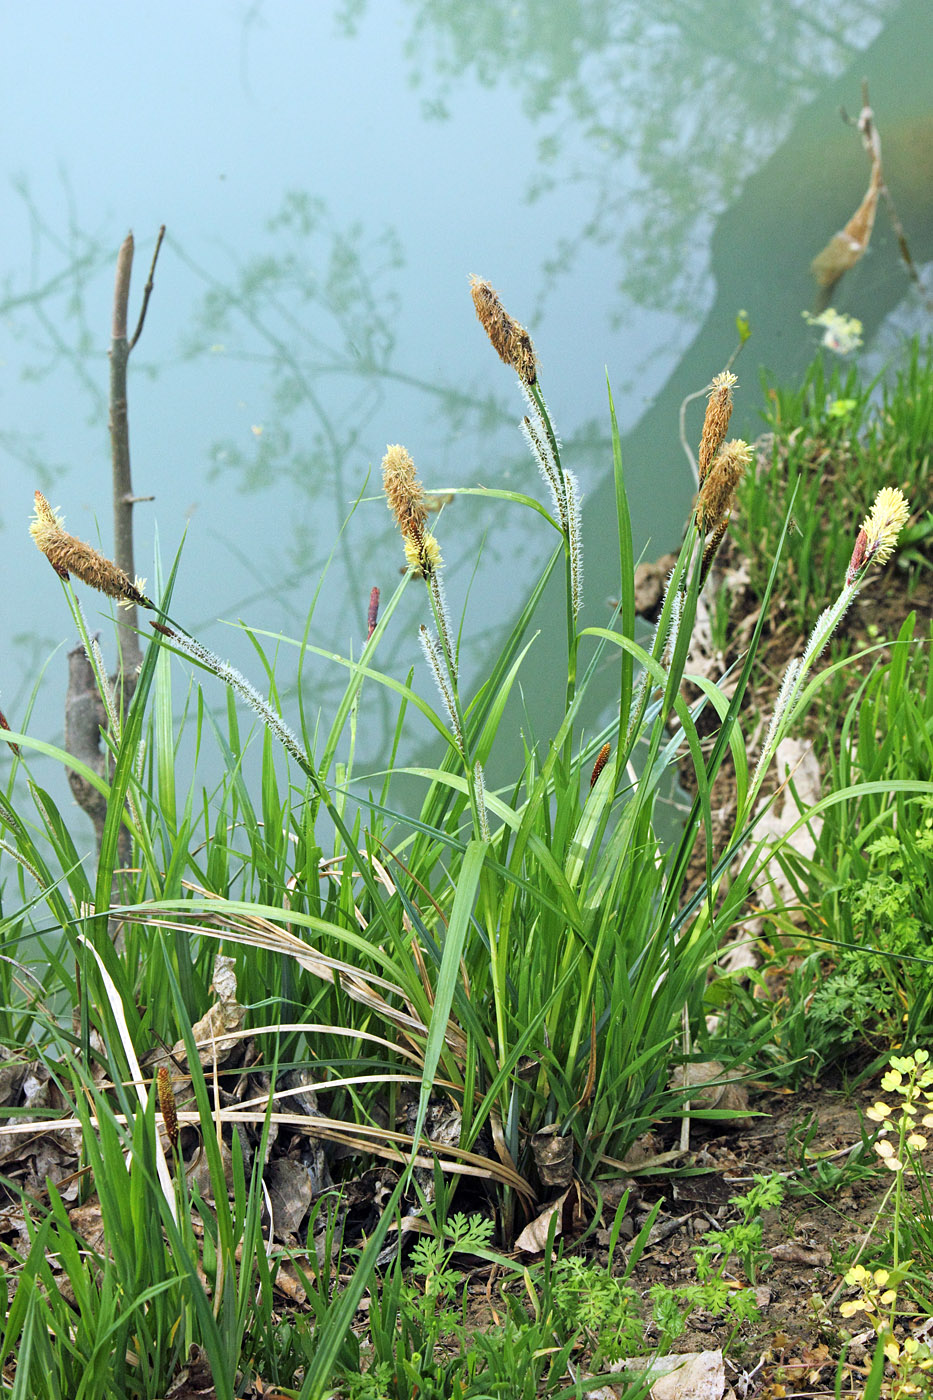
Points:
x=290 y=1193
x=12 y=1073
x=662 y=1229
x=709 y=1089
x=645 y=1152
x=799 y=1254
x=200 y=1173
x=708 y=1189
x=808 y=1365
x=794 y=759
x=216 y=1033
x=88 y=1223
x=553 y=1156
x=650 y=583
x=193 y=1381
x=533 y=1239
x=287 y=1281
x=693 y=1375
x=613 y=1190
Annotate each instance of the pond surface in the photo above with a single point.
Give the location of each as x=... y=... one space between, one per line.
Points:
x=329 y=176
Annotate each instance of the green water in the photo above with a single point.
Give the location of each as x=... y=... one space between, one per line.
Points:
x=329 y=176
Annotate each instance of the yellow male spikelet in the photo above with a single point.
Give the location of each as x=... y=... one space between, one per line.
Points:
x=716 y=421
x=406 y=501
x=717 y=493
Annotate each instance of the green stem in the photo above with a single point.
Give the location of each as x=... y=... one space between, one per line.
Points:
x=566 y=505
x=826 y=624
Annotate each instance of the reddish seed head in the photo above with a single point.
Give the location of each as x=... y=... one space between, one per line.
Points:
x=167 y=1105
x=600 y=764
x=4 y=725
x=858 y=556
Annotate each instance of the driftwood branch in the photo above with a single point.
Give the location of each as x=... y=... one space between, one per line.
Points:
x=84 y=718
x=867 y=128
x=872 y=144
x=870 y=139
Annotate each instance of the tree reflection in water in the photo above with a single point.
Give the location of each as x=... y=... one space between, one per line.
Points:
x=658 y=119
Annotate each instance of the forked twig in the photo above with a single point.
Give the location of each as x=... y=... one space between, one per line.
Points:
x=147 y=290
x=84 y=713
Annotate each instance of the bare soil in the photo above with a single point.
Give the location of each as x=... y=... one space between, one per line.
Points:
x=812 y=1236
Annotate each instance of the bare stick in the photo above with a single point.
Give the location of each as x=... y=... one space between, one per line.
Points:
x=147 y=293
x=130 y=654
x=85 y=716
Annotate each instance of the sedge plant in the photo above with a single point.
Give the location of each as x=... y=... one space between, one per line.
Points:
x=520 y=957
x=559 y=924
x=828 y=437
x=862 y=898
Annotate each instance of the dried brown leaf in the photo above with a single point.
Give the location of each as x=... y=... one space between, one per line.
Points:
x=290 y=1192
x=553 y=1156
x=533 y=1239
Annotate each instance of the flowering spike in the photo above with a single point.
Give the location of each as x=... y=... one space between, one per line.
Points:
x=373 y=613
x=541 y=450
x=433 y=656
x=787 y=689
x=442 y=618
x=404 y=493
x=479 y=788
x=69 y=555
x=857 y=562
x=716 y=421
x=406 y=500
x=423 y=554
x=238 y=682
x=167 y=1105
x=574 y=540
x=511 y=341
x=600 y=764
x=712 y=549
x=677 y=612
x=883 y=524
x=874 y=544
x=717 y=493
x=4 y=725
